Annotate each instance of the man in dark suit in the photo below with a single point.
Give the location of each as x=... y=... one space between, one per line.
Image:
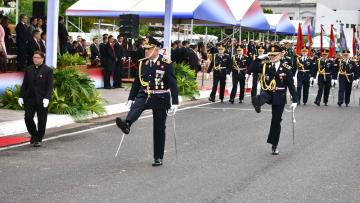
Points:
x=120 y=58
x=34 y=45
x=102 y=49
x=275 y=78
x=110 y=61
x=194 y=61
x=63 y=35
x=95 y=52
x=35 y=93
x=22 y=37
x=43 y=42
x=157 y=91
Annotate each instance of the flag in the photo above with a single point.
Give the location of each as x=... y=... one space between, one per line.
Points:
x=310 y=41
x=321 y=37
x=343 y=45
x=355 y=42
x=300 y=41
x=332 y=43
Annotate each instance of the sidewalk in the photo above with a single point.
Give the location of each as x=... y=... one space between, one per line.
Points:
x=12 y=122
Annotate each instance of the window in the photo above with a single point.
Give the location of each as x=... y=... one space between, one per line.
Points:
x=347 y=25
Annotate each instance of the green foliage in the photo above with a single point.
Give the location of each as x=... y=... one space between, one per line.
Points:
x=186 y=82
x=9 y=99
x=144 y=29
x=268 y=10
x=67 y=60
x=74 y=94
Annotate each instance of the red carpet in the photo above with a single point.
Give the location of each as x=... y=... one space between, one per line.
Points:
x=11 y=140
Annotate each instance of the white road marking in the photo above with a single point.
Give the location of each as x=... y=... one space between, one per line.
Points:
x=95 y=128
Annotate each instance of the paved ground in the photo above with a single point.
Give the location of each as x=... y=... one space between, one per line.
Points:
x=223 y=157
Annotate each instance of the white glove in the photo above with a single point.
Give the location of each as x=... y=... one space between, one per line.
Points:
x=354 y=83
x=246 y=76
x=227 y=76
x=357 y=81
x=293 y=106
x=207 y=75
x=21 y=102
x=174 y=108
x=332 y=82
x=129 y=104
x=335 y=82
x=311 y=79
x=45 y=103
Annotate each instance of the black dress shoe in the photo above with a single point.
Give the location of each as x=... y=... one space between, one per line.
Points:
x=211 y=99
x=347 y=105
x=240 y=102
x=255 y=102
x=231 y=101
x=304 y=104
x=108 y=88
x=124 y=126
x=317 y=103
x=339 y=104
x=222 y=100
x=157 y=162
x=274 y=150
x=37 y=144
x=325 y=104
x=32 y=140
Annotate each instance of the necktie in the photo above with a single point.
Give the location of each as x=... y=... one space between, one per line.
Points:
x=151 y=63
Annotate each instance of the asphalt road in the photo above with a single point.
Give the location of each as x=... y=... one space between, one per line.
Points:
x=223 y=157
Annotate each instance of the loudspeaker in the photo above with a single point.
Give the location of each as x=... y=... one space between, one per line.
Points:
x=39 y=9
x=129 y=25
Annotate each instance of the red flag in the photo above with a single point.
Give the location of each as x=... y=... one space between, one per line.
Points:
x=300 y=41
x=355 y=42
x=332 y=43
x=310 y=41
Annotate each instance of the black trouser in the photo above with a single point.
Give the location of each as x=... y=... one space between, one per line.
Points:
x=303 y=82
x=21 y=56
x=276 y=112
x=344 y=89
x=159 y=125
x=38 y=133
x=238 y=78
x=117 y=75
x=216 y=80
x=63 y=44
x=275 y=127
x=107 y=74
x=324 y=86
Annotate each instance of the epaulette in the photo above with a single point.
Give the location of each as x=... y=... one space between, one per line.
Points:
x=286 y=66
x=142 y=59
x=165 y=60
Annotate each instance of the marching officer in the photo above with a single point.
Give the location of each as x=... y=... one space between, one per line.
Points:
x=221 y=66
x=275 y=78
x=347 y=76
x=305 y=69
x=325 y=71
x=240 y=64
x=155 y=88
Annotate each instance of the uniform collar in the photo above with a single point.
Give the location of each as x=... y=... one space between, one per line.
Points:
x=154 y=60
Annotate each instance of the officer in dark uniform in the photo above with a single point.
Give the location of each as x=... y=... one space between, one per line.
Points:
x=325 y=71
x=35 y=94
x=240 y=64
x=274 y=77
x=155 y=88
x=347 y=75
x=221 y=63
x=305 y=69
